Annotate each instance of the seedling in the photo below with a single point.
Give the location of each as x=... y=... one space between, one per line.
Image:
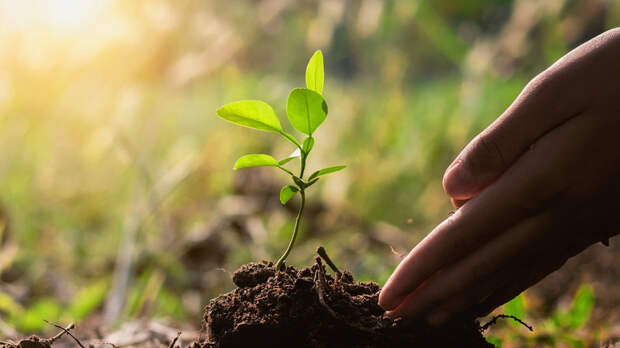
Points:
x=306 y=110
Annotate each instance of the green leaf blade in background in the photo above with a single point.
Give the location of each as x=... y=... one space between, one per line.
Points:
x=306 y=110
x=254 y=114
x=325 y=171
x=47 y=308
x=516 y=307
x=255 y=160
x=287 y=193
x=582 y=306
x=9 y=305
x=315 y=74
x=87 y=300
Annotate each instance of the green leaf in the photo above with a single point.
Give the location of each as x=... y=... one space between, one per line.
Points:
x=314 y=72
x=88 y=299
x=494 y=340
x=325 y=171
x=293 y=155
x=581 y=307
x=30 y=320
x=306 y=110
x=311 y=182
x=287 y=193
x=308 y=144
x=516 y=307
x=252 y=114
x=10 y=306
x=255 y=160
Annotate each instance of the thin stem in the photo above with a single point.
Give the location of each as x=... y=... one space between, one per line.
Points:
x=304 y=156
x=64 y=331
x=296 y=228
x=286 y=170
x=292 y=140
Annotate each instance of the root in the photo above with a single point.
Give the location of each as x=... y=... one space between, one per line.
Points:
x=64 y=331
x=504 y=316
x=320 y=284
x=323 y=254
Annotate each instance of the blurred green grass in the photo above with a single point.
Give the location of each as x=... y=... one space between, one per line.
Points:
x=111 y=128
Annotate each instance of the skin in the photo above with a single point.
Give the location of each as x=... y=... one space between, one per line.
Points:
x=536 y=187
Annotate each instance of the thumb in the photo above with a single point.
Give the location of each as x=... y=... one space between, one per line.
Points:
x=479 y=164
x=550 y=99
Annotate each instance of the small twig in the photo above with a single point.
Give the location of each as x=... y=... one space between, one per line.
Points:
x=64 y=331
x=322 y=253
x=174 y=341
x=319 y=277
x=504 y=316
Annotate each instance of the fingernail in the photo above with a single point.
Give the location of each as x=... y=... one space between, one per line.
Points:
x=438 y=318
x=388 y=303
x=458 y=182
x=457 y=203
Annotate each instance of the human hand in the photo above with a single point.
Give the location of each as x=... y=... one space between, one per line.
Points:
x=536 y=187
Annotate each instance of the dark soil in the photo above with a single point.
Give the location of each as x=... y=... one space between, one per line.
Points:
x=309 y=308
x=30 y=342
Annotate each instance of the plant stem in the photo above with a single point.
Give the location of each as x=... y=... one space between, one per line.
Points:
x=304 y=156
x=286 y=171
x=291 y=139
x=297 y=223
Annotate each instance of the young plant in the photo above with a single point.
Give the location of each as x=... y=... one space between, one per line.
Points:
x=306 y=110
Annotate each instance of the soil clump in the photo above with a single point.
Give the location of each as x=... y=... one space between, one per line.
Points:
x=310 y=308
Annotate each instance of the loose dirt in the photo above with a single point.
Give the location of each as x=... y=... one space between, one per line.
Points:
x=310 y=308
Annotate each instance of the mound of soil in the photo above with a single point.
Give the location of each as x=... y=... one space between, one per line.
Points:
x=309 y=308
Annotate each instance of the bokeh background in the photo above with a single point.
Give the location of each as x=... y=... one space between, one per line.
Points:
x=117 y=195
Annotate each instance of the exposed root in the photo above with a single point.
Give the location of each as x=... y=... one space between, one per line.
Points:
x=64 y=331
x=320 y=284
x=322 y=253
x=504 y=316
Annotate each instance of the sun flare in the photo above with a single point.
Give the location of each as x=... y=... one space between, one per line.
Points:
x=60 y=16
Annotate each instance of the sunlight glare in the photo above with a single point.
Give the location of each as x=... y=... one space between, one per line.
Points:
x=65 y=17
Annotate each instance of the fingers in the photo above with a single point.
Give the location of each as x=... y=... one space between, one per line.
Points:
x=488 y=155
x=489 y=214
x=537 y=181
x=523 y=271
x=565 y=137
x=553 y=97
x=477 y=275
x=458 y=203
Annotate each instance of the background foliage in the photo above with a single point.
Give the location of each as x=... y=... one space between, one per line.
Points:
x=117 y=197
